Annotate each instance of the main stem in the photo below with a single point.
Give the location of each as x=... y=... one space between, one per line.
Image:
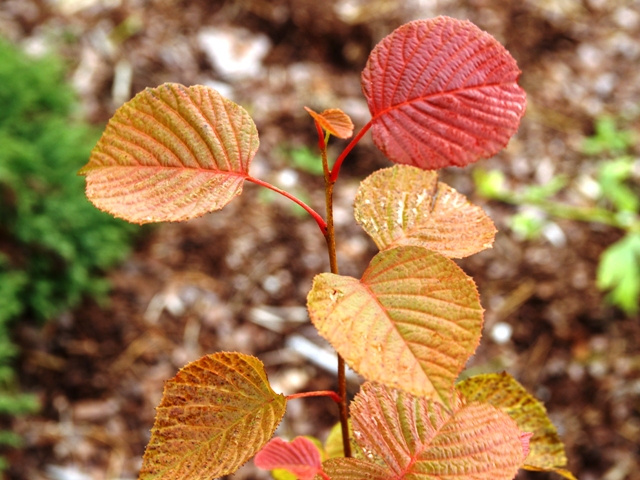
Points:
x=330 y=237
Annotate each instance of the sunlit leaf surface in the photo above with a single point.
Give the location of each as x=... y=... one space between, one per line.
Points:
x=215 y=414
x=411 y=322
x=504 y=392
x=404 y=205
x=420 y=439
x=171 y=153
x=442 y=92
x=334 y=121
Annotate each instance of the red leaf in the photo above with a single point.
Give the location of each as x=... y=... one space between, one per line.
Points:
x=300 y=457
x=442 y=92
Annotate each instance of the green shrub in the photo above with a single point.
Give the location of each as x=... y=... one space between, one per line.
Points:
x=53 y=244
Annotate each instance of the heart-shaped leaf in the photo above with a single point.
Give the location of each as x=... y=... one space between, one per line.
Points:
x=442 y=92
x=215 y=414
x=504 y=392
x=334 y=121
x=405 y=205
x=411 y=322
x=300 y=457
x=416 y=438
x=171 y=153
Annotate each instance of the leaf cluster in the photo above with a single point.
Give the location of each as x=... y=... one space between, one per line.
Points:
x=441 y=93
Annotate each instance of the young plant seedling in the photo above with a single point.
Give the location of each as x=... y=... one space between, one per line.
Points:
x=441 y=92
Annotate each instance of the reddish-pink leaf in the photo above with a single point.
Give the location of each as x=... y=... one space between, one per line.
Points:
x=525 y=438
x=442 y=92
x=300 y=457
x=171 y=153
x=334 y=121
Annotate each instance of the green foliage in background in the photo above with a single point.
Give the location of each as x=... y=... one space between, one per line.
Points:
x=53 y=243
x=617 y=199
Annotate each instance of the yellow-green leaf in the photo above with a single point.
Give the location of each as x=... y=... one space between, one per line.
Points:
x=334 y=448
x=171 y=153
x=411 y=322
x=416 y=438
x=504 y=392
x=405 y=205
x=215 y=414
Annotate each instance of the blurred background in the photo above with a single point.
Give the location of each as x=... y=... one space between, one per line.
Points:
x=96 y=314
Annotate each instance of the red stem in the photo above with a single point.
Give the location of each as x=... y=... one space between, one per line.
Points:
x=319 y=220
x=320 y=393
x=345 y=152
x=321 y=144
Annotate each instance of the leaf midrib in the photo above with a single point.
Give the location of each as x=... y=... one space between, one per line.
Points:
x=424 y=98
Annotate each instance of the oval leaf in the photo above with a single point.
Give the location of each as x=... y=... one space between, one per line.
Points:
x=171 y=153
x=405 y=205
x=411 y=322
x=420 y=439
x=442 y=92
x=334 y=121
x=300 y=457
x=504 y=392
x=215 y=414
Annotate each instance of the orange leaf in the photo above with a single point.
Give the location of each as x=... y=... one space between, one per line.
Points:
x=404 y=205
x=215 y=414
x=334 y=121
x=420 y=439
x=171 y=153
x=411 y=322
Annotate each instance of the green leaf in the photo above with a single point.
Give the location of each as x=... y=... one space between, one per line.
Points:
x=490 y=183
x=413 y=437
x=608 y=139
x=171 y=153
x=215 y=414
x=503 y=391
x=611 y=178
x=619 y=271
x=306 y=160
x=411 y=322
x=405 y=205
